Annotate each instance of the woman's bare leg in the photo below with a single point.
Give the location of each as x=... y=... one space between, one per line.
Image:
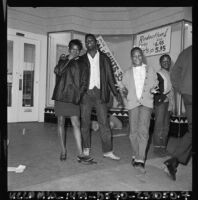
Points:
x=62 y=133
x=77 y=133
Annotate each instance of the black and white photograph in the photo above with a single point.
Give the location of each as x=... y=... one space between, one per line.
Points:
x=99 y=98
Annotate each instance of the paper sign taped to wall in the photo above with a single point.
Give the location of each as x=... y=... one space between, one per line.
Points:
x=155 y=42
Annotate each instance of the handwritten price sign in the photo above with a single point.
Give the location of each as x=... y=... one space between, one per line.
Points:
x=155 y=42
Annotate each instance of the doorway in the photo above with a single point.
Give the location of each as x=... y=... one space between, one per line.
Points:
x=23 y=56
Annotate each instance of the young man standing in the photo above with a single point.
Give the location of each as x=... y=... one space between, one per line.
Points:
x=99 y=84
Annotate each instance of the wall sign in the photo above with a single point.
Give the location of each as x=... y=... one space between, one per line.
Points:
x=118 y=73
x=155 y=42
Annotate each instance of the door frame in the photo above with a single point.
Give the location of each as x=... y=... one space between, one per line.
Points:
x=18 y=113
x=12 y=111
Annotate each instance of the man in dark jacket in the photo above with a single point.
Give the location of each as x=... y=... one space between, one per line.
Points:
x=181 y=78
x=100 y=82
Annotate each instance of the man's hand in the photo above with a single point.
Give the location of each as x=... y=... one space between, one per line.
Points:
x=120 y=101
x=123 y=91
x=155 y=90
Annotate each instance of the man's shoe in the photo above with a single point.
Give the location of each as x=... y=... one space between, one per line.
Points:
x=86 y=151
x=82 y=158
x=140 y=167
x=86 y=160
x=133 y=162
x=111 y=155
x=89 y=162
x=171 y=165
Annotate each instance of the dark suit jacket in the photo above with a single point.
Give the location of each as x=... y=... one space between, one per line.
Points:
x=181 y=73
x=107 y=80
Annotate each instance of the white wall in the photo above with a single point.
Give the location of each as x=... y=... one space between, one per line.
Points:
x=27 y=19
x=120 y=46
x=54 y=39
x=98 y=20
x=188 y=13
x=42 y=77
x=101 y=21
x=187 y=35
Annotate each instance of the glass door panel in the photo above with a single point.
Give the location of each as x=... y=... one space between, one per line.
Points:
x=28 y=75
x=9 y=72
x=28 y=80
x=12 y=76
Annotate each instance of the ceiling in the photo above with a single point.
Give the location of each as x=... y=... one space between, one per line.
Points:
x=108 y=9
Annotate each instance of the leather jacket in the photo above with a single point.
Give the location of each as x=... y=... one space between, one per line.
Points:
x=71 y=81
x=107 y=80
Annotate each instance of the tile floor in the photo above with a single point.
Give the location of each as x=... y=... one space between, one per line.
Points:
x=36 y=145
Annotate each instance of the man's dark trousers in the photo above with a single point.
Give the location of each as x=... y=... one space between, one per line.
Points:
x=183 y=149
x=92 y=99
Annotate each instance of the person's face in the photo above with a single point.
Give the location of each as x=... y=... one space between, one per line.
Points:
x=136 y=58
x=74 y=51
x=90 y=43
x=165 y=63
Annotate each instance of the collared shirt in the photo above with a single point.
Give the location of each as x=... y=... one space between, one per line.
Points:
x=94 y=71
x=139 y=77
x=146 y=98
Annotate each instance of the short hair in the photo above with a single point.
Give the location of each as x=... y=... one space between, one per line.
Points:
x=76 y=42
x=136 y=49
x=141 y=51
x=163 y=56
x=90 y=35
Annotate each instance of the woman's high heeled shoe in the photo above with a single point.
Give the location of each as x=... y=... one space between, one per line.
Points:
x=63 y=156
